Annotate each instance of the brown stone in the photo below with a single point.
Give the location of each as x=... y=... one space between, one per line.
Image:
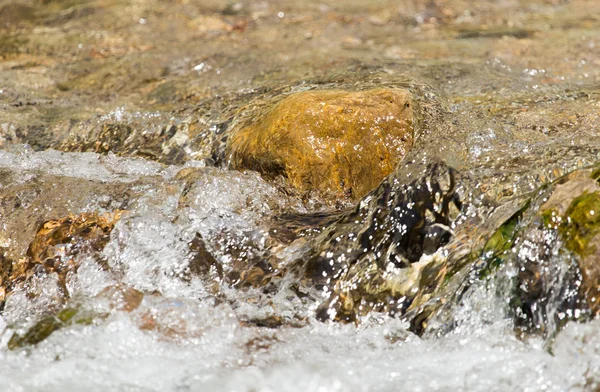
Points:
x=87 y=229
x=336 y=144
x=122 y=297
x=56 y=245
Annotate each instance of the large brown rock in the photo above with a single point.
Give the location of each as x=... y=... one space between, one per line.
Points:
x=335 y=144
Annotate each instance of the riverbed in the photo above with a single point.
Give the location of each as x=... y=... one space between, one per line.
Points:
x=114 y=117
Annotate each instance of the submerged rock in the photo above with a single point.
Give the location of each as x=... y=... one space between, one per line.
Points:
x=76 y=231
x=47 y=325
x=112 y=298
x=237 y=255
x=336 y=144
x=172 y=319
x=578 y=226
x=57 y=246
x=382 y=255
x=542 y=262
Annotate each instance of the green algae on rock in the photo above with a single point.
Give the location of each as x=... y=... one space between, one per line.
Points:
x=542 y=261
x=47 y=325
x=120 y=297
x=338 y=144
x=578 y=226
x=500 y=243
x=582 y=224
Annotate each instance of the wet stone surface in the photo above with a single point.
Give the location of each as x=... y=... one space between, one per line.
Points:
x=382 y=255
x=341 y=144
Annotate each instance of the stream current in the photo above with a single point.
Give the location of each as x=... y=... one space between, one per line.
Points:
x=509 y=93
x=199 y=344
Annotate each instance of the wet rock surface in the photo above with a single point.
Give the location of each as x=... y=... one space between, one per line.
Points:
x=57 y=243
x=339 y=144
x=382 y=256
x=541 y=259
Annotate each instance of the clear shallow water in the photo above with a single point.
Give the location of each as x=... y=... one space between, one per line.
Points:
x=513 y=105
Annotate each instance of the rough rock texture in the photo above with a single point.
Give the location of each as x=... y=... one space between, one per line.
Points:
x=552 y=245
x=574 y=209
x=337 y=144
x=56 y=246
x=381 y=256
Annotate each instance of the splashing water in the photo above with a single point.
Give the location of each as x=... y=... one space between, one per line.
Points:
x=133 y=259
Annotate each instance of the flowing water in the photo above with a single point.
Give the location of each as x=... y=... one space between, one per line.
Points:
x=178 y=273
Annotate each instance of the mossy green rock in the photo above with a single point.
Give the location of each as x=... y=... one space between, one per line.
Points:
x=574 y=210
x=336 y=144
x=120 y=298
x=580 y=229
x=583 y=223
x=47 y=325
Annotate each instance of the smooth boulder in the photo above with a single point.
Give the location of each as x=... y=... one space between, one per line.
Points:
x=337 y=145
